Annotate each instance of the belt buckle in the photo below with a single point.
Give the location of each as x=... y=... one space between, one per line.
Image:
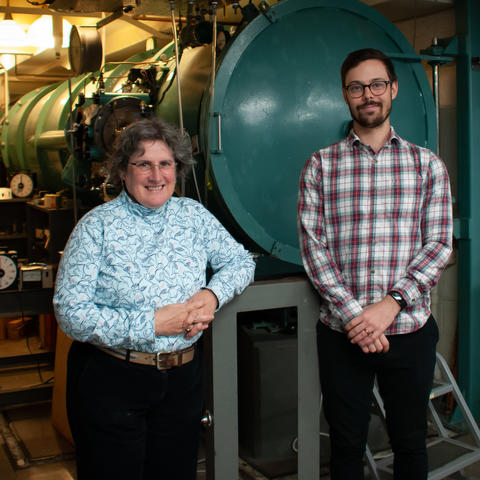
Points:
x=165 y=362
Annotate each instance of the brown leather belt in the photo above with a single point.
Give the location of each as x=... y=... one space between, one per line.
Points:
x=160 y=360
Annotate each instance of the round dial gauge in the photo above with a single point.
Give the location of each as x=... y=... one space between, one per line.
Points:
x=21 y=185
x=8 y=272
x=85 y=50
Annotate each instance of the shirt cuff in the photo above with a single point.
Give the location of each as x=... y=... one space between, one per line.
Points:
x=349 y=310
x=210 y=290
x=408 y=290
x=218 y=293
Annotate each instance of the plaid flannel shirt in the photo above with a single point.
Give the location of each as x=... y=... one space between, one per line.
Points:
x=370 y=223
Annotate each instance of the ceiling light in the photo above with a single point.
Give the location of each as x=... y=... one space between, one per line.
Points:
x=40 y=33
x=11 y=33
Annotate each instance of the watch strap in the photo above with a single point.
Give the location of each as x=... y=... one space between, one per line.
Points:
x=398 y=298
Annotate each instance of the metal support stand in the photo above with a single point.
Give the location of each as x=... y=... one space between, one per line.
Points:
x=222 y=437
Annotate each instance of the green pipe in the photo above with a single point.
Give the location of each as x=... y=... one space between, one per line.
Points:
x=51 y=140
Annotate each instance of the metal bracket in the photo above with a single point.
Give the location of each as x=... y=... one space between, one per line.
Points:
x=442 y=50
x=105 y=21
x=264 y=8
x=120 y=15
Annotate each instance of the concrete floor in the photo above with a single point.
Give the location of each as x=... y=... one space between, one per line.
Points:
x=31 y=448
x=29 y=433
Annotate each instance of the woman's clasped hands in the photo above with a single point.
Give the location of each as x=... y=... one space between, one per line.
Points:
x=189 y=317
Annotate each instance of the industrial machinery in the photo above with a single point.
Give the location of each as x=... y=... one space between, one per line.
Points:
x=255 y=110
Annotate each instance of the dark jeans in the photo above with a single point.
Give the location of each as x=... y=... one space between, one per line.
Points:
x=131 y=421
x=404 y=376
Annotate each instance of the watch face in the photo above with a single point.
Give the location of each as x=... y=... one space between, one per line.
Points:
x=21 y=185
x=8 y=272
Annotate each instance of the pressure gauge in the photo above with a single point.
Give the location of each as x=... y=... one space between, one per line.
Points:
x=8 y=271
x=85 y=50
x=21 y=185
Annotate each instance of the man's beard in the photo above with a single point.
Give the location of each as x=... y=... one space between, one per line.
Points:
x=370 y=121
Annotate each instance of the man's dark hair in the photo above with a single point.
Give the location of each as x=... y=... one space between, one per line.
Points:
x=359 y=56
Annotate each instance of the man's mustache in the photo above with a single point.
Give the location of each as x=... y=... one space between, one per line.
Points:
x=371 y=102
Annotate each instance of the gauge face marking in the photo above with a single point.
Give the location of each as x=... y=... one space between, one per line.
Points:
x=8 y=272
x=21 y=185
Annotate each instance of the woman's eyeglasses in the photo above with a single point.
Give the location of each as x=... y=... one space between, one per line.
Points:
x=147 y=167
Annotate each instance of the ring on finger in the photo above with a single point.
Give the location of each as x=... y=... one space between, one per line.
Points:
x=188 y=329
x=367 y=331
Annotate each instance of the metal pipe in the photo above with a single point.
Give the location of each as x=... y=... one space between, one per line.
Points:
x=6 y=91
x=72 y=149
x=211 y=106
x=156 y=62
x=157 y=18
x=104 y=43
x=46 y=11
x=51 y=140
x=179 y=90
x=436 y=95
x=161 y=18
x=177 y=65
x=214 y=50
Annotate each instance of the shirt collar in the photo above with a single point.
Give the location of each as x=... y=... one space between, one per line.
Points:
x=353 y=138
x=142 y=211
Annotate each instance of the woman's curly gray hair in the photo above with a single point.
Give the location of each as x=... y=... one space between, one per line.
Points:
x=128 y=143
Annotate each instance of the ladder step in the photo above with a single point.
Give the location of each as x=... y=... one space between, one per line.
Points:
x=441 y=389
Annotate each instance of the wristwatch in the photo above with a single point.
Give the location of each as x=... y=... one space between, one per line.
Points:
x=398 y=298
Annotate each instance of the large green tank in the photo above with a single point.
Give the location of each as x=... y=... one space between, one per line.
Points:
x=277 y=97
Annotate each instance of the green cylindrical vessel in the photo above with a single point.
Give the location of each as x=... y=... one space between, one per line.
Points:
x=277 y=98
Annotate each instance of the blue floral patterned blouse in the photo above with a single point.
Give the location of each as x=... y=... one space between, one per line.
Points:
x=123 y=261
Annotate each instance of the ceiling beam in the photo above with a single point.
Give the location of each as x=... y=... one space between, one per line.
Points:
x=47 y=11
x=152 y=31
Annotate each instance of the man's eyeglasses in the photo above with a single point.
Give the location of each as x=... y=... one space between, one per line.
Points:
x=378 y=87
x=147 y=167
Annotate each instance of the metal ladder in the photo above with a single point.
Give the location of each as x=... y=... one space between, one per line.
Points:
x=461 y=454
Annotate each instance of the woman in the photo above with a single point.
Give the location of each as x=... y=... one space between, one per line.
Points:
x=131 y=291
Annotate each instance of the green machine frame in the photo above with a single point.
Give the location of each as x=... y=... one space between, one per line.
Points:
x=465 y=48
x=468 y=226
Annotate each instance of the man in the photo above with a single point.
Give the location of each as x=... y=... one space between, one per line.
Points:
x=375 y=232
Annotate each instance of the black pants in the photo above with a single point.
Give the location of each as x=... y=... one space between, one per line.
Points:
x=404 y=375
x=131 y=421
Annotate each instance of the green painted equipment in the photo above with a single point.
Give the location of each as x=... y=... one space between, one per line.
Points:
x=277 y=97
